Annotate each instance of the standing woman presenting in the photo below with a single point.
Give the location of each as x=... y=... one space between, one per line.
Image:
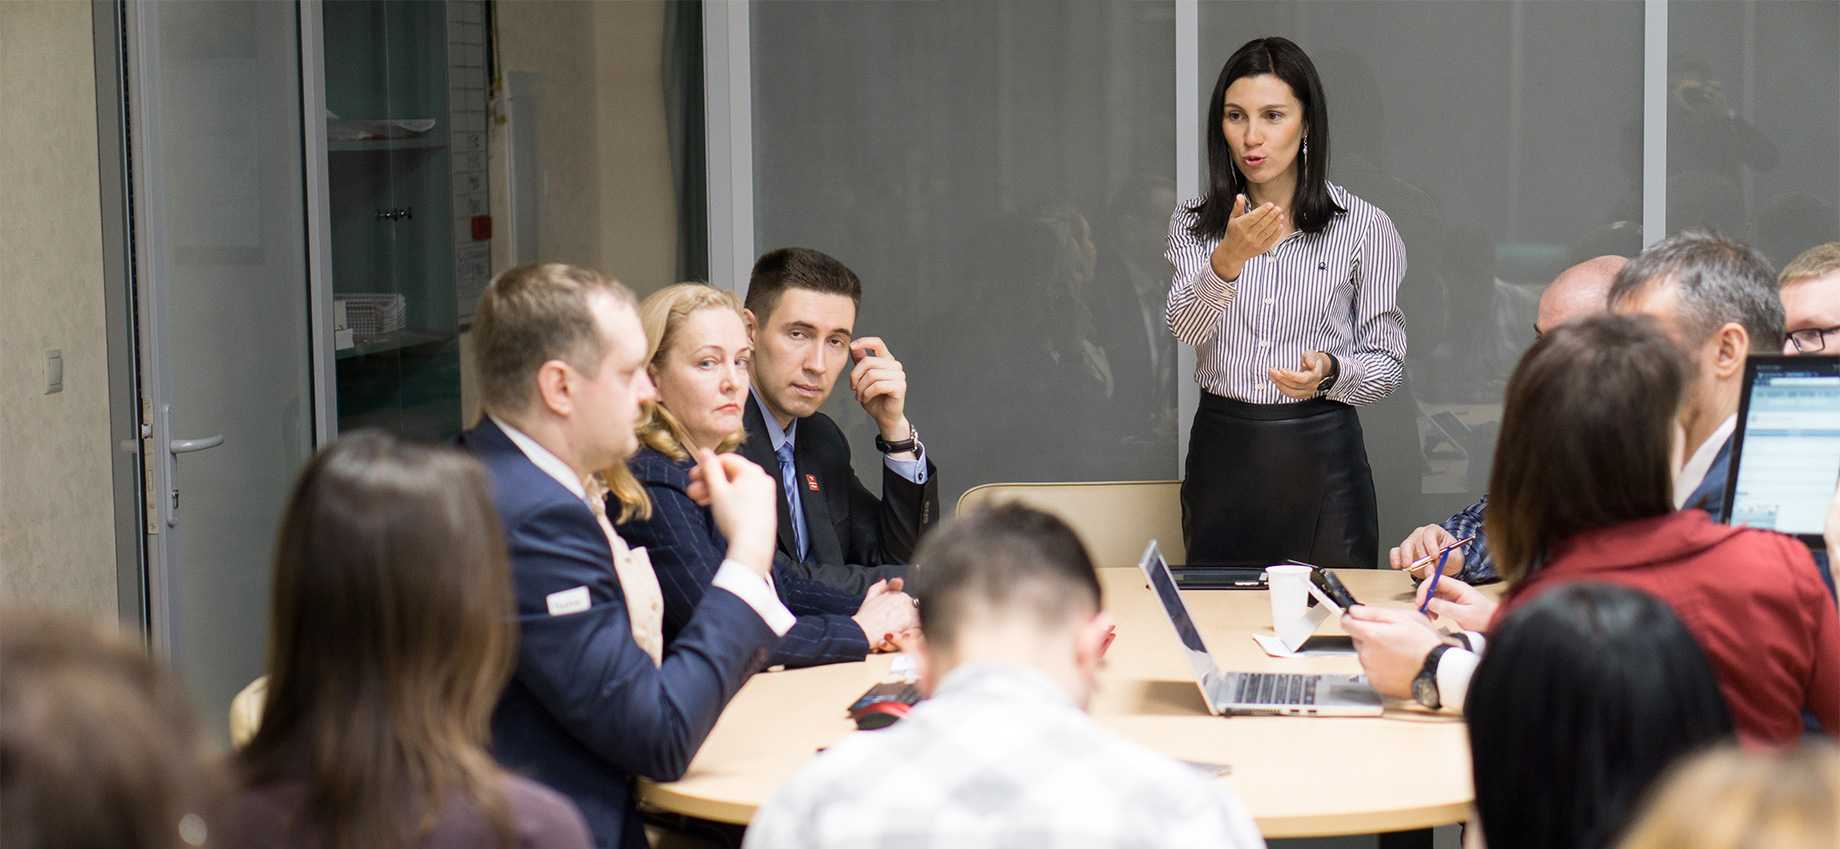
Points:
x=1287 y=287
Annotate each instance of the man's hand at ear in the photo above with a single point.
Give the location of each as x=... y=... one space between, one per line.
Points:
x=880 y=384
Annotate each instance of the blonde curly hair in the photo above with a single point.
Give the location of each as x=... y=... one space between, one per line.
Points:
x=661 y=315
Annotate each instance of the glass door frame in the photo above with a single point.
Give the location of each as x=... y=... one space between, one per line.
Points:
x=139 y=359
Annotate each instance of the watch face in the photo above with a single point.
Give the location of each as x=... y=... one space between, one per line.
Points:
x=1425 y=691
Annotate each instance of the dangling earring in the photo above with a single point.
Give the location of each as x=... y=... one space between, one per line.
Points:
x=1306 y=152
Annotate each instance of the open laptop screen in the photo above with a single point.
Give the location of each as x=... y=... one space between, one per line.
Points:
x=1156 y=569
x=1785 y=453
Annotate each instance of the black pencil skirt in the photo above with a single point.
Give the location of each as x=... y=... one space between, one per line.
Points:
x=1271 y=482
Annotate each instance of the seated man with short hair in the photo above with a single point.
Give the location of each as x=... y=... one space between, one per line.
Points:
x=801 y=311
x=598 y=698
x=1810 y=289
x=1004 y=753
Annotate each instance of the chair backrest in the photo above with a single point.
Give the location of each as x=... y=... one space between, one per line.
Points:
x=1113 y=518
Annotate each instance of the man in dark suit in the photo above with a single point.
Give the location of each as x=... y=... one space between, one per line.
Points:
x=1717 y=298
x=596 y=698
x=801 y=313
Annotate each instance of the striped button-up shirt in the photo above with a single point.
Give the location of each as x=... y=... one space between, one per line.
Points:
x=1334 y=291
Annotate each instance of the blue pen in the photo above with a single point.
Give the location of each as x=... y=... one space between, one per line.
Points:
x=1431 y=592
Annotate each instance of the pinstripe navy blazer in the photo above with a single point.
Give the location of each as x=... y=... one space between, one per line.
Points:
x=686 y=547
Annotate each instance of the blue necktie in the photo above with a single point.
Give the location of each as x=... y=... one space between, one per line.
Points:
x=789 y=478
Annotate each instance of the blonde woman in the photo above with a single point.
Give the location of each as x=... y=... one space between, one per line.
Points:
x=698 y=359
x=1732 y=799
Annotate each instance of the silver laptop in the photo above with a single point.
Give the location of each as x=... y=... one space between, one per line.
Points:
x=1256 y=693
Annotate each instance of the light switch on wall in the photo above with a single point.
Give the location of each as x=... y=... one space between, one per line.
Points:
x=54 y=371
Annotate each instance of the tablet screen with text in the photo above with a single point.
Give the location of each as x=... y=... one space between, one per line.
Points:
x=1786 y=450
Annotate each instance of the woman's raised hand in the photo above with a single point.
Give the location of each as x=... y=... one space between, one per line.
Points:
x=1248 y=235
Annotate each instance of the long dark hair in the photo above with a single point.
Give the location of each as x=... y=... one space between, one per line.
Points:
x=1311 y=206
x=1586 y=438
x=1585 y=697
x=392 y=632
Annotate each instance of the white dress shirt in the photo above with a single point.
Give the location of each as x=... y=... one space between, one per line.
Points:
x=1694 y=472
x=732 y=576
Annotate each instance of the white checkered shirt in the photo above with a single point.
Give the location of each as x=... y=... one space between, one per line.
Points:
x=1000 y=757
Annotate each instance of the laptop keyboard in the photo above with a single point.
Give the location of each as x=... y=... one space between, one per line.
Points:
x=1270 y=688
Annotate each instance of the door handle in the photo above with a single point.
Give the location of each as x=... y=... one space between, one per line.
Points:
x=187 y=446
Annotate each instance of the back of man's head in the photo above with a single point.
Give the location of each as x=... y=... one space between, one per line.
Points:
x=1007 y=564
x=530 y=315
x=1719 y=281
x=1577 y=292
x=798 y=268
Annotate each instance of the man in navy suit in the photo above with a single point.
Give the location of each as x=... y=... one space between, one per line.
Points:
x=801 y=313
x=1717 y=298
x=596 y=698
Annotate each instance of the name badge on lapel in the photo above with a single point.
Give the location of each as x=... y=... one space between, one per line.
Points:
x=568 y=601
x=811 y=482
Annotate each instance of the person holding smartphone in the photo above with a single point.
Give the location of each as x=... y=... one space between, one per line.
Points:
x=1287 y=285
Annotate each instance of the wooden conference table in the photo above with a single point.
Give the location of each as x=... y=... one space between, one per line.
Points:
x=1298 y=776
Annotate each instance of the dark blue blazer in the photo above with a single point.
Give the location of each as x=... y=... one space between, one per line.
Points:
x=1710 y=496
x=686 y=548
x=586 y=711
x=856 y=538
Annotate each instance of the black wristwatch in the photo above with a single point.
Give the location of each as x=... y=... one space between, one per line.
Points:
x=911 y=443
x=1424 y=687
x=1335 y=371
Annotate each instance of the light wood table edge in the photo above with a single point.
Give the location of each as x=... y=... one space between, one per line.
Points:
x=662 y=796
x=1337 y=825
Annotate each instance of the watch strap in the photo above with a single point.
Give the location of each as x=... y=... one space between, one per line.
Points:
x=1425 y=687
x=911 y=443
x=1335 y=371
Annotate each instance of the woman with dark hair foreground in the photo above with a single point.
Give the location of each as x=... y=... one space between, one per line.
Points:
x=98 y=746
x=391 y=634
x=1586 y=695
x=1581 y=490
x=1287 y=286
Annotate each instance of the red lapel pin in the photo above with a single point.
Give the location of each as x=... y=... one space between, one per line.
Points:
x=811 y=482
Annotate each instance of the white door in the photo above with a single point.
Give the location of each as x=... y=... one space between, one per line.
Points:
x=224 y=325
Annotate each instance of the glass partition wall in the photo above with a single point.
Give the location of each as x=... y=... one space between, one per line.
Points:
x=1001 y=176
x=1753 y=104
